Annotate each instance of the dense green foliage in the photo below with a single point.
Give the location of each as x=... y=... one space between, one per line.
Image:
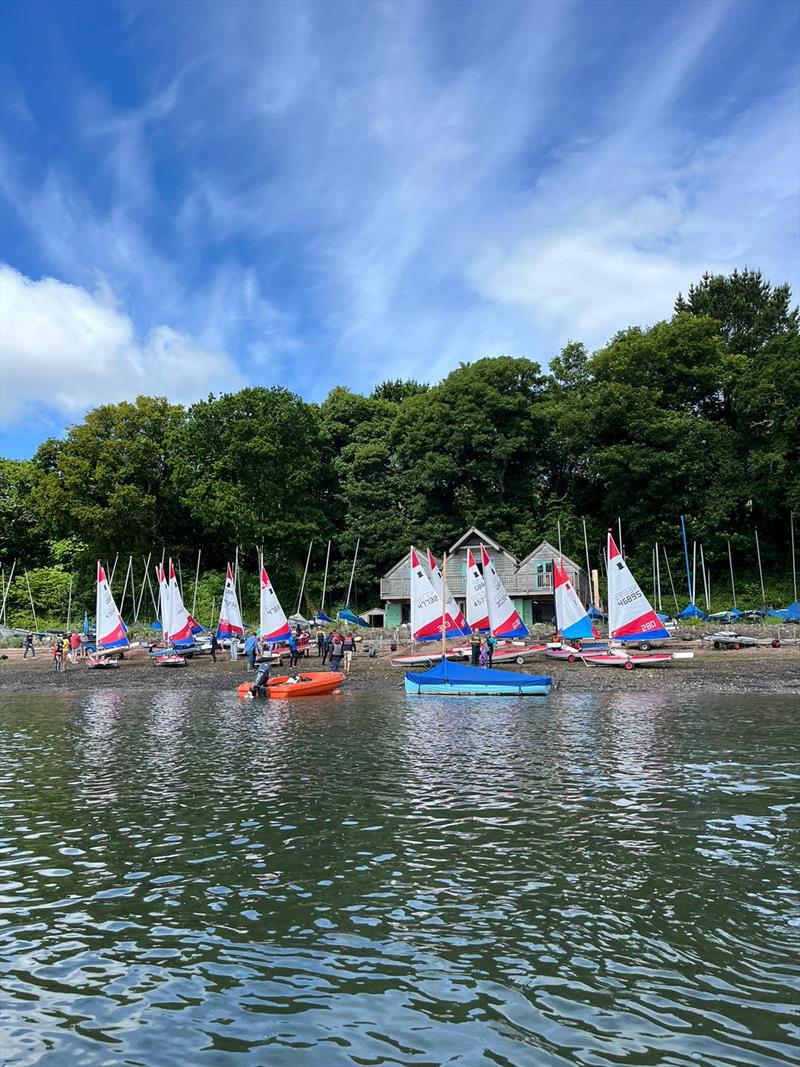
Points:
x=697 y=415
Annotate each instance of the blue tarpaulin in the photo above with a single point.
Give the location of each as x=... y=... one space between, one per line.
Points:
x=691 y=611
x=790 y=614
x=475 y=679
x=346 y=615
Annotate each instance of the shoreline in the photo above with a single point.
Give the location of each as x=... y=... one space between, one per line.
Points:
x=749 y=670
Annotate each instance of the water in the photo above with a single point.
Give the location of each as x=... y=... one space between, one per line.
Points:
x=375 y=880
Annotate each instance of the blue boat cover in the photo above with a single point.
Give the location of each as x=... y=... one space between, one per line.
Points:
x=349 y=616
x=593 y=613
x=691 y=611
x=462 y=673
x=790 y=614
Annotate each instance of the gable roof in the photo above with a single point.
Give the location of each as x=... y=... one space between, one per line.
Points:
x=544 y=550
x=480 y=538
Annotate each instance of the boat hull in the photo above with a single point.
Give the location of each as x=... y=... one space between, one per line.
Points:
x=285 y=687
x=627 y=662
x=567 y=654
x=541 y=688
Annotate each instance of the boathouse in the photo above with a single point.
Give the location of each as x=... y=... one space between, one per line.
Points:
x=529 y=581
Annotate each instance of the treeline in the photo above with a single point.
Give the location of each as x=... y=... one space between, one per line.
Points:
x=697 y=415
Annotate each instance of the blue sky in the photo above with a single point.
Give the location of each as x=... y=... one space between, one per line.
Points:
x=198 y=196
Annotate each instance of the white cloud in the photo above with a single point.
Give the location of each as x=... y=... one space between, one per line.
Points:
x=64 y=349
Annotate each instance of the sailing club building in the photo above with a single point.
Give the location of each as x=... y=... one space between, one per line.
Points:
x=529 y=581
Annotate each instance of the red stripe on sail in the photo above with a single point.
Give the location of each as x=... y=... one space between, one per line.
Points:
x=643 y=625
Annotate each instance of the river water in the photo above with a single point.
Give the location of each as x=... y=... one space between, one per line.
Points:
x=374 y=879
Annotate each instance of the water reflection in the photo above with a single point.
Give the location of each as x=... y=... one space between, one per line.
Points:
x=585 y=879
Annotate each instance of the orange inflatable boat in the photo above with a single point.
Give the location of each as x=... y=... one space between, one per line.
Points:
x=301 y=685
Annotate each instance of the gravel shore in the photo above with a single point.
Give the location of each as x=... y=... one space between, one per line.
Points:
x=750 y=670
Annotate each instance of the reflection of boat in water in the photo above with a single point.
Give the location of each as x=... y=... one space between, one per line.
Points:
x=300 y=685
x=460 y=679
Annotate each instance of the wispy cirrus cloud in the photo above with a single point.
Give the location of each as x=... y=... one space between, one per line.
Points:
x=336 y=193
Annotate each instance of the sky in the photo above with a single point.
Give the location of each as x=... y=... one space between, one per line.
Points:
x=201 y=196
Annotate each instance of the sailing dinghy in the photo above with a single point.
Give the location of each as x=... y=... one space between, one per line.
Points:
x=428 y=623
x=572 y=619
x=112 y=634
x=459 y=679
x=230 y=616
x=275 y=628
x=630 y=618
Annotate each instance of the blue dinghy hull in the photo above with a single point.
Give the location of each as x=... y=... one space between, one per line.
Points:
x=459 y=679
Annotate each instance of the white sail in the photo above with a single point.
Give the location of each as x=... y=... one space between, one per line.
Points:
x=230 y=615
x=455 y=621
x=426 y=607
x=477 y=609
x=504 y=619
x=111 y=633
x=274 y=624
x=630 y=614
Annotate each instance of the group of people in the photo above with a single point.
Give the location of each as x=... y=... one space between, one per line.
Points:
x=68 y=649
x=481 y=648
x=339 y=648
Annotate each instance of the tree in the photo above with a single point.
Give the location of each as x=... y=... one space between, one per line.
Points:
x=748 y=308
x=107 y=483
x=248 y=468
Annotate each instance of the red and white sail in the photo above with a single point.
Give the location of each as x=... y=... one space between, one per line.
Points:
x=179 y=626
x=454 y=620
x=230 y=615
x=630 y=614
x=274 y=624
x=571 y=618
x=504 y=619
x=426 y=605
x=112 y=633
x=477 y=609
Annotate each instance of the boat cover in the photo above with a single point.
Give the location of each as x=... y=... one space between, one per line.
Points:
x=463 y=674
x=790 y=614
x=691 y=611
x=346 y=615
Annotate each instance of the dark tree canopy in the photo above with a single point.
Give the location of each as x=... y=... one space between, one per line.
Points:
x=698 y=415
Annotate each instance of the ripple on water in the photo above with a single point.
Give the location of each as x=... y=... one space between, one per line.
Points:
x=586 y=880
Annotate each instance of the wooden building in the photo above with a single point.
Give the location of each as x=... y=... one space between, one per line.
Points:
x=529 y=581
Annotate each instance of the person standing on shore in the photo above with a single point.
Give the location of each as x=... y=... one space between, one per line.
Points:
x=64 y=653
x=348 y=647
x=74 y=645
x=337 y=651
x=294 y=649
x=475 y=644
x=214 y=646
x=57 y=653
x=29 y=645
x=250 y=649
x=234 y=646
x=326 y=648
x=491 y=645
x=320 y=643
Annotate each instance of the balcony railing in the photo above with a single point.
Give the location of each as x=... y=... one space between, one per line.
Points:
x=516 y=585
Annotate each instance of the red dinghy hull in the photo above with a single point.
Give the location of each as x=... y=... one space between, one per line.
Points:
x=303 y=685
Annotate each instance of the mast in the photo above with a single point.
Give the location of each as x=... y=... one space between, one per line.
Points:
x=141 y=589
x=672 y=584
x=443 y=597
x=733 y=587
x=69 y=602
x=352 y=574
x=658 y=578
x=97 y=607
x=30 y=594
x=760 y=572
x=588 y=566
x=619 y=527
x=686 y=558
x=325 y=579
x=303 y=583
x=196 y=580
x=694 y=570
x=558 y=525
x=794 y=566
x=705 y=579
